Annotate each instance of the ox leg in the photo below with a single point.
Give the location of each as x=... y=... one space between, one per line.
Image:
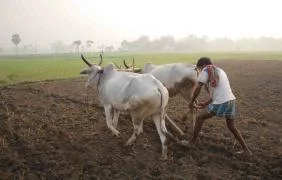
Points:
x=140 y=130
x=109 y=120
x=165 y=131
x=137 y=122
x=115 y=119
x=157 y=121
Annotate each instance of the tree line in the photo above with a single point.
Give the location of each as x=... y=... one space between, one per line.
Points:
x=190 y=43
x=193 y=43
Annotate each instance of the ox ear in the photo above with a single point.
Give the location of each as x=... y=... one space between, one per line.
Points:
x=85 y=71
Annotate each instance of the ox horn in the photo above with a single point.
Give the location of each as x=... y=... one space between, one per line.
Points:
x=101 y=60
x=86 y=62
x=125 y=65
x=117 y=66
x=133 y=64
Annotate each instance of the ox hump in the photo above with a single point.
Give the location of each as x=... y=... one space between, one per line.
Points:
x=109 y=68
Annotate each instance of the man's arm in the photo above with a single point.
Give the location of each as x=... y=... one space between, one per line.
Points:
x=196 y=94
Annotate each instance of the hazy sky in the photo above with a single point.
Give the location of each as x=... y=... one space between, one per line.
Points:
x=42 y=22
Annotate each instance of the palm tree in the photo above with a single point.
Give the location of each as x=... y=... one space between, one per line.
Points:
x=89 y=44
x=77 y=44
x=16 y=40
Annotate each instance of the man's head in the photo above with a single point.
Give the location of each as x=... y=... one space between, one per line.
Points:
x=202 y=62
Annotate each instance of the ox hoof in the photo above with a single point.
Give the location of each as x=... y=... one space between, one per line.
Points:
x=248 y=153
x=184 y=143
x=140 y=132
x=116 y=134
x=164 y=157
x=130 y=141
x=164 y=154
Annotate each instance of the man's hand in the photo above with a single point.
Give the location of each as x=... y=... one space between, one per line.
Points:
x=192 y=105
x=193 y=102
x=201 y=105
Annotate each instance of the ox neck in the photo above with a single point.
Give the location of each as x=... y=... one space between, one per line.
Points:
x=104 y=76
x=99 y=80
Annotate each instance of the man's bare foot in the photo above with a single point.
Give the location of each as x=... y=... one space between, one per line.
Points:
x=245 y=152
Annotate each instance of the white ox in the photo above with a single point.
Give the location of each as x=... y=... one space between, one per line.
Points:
x=141 y=95
x=178 y=78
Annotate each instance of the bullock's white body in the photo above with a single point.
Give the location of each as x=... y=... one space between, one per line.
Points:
x=126 y=91
x=178 y=78
x=141 y=95
x=169 y=74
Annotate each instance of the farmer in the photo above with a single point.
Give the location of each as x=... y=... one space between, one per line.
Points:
x=221 y=102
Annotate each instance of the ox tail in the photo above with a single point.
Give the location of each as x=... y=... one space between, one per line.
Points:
x=164 y=101
x=164 y=98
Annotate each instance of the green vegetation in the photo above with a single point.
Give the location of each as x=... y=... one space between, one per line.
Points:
x=16 y=69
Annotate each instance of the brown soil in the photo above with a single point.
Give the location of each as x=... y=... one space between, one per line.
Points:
x=57 y=130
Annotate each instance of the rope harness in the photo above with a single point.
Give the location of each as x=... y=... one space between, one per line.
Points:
x=213 y=75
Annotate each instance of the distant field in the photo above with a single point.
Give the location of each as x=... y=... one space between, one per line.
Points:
x=29 y=68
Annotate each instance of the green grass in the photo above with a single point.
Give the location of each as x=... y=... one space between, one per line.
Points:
x=16 y=69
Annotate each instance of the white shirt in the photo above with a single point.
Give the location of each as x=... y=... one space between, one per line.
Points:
x=222 y=92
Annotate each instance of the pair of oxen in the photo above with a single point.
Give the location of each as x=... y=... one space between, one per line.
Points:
x=144 y=94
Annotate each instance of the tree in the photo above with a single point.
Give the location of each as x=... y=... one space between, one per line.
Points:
x=57 y=46
x=89 y=44
x=125 y=45
x=101 y=47
x=164 y=43
x=143 y=43
x=109 y=48
x=77 y=44
x=16 y=40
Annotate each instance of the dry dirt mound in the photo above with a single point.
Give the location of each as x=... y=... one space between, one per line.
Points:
x=57 y=130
